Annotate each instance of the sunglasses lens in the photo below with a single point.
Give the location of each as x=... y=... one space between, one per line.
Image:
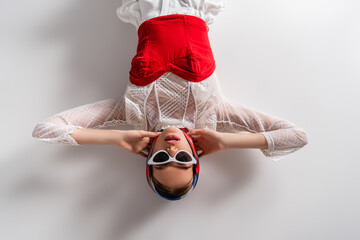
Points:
x=161 y=157
x=183 y=157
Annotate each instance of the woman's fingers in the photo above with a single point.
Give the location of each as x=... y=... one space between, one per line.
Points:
x=150 y=134
x=143 y=154
x=195 y=137
x=197 y=144
x=195 y=132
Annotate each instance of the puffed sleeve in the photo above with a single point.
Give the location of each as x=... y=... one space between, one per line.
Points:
x=211 y=9
x=130 y=12
x=58 y=127
x=283 y=137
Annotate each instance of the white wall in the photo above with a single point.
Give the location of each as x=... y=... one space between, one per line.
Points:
x=298 y=60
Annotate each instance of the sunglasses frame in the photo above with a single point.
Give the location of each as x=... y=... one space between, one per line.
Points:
x=171 y=159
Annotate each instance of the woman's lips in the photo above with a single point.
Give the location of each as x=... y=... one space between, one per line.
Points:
x=172 y=139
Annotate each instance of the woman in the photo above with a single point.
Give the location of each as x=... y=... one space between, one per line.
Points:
x=173 y=89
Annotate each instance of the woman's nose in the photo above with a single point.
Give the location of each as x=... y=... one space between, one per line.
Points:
x=172 y=150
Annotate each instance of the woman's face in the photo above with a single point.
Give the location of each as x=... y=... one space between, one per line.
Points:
x=172 y=175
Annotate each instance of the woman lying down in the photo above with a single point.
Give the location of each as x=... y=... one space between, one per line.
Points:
x=174 y=101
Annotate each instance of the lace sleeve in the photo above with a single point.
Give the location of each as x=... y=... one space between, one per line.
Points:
x=283 y=137
x=58 y=127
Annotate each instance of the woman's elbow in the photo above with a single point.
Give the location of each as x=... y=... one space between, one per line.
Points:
x=302 y=136
x=38 y=131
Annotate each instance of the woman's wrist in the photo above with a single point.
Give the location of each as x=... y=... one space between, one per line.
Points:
x=118 y=138
x=227 y=140
x=224 y=140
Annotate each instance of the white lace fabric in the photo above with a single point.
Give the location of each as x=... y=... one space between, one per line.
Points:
x=173 y=101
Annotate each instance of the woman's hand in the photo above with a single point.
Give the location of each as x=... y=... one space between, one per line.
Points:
x=208 y=141
x=136 y=141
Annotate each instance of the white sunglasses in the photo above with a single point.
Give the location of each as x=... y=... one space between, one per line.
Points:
x=162 y=157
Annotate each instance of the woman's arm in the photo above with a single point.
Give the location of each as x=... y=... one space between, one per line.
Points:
x=282 y=136
x=134 y=141
x=209 y=141
x=78 y=123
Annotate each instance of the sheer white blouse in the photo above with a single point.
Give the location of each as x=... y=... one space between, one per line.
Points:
x=173 y=101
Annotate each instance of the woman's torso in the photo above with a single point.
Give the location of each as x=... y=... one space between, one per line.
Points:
x=173 y=101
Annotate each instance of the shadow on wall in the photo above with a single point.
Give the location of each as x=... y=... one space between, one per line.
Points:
x=225 y=174
x=100 y=192
x=99 y=45
x=90 y=192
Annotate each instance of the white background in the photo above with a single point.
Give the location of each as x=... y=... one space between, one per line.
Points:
x=298 y=60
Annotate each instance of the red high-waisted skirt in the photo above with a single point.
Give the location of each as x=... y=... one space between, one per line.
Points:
x=172 y=43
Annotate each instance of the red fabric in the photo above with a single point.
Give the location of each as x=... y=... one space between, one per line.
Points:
x=173 y=43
